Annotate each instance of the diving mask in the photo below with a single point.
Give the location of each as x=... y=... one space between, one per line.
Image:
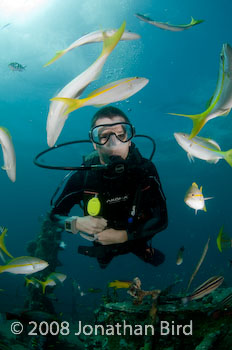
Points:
x=122 y=131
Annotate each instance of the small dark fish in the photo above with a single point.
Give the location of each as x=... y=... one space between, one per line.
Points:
x=207 y=287
x=94 y=290
x=5 y=25
x=14 y=66
x=168 y=289
x=179 y=258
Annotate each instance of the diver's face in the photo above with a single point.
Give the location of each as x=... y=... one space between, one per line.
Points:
x=113 y=146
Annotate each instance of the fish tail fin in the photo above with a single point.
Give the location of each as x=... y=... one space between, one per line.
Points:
x=35 y=281
x=57 y=55
x=110 y=42
x=72 y=103
x=228 y=156
x=2 y=243
x=199 y=121
x=43 y=284
x=196 y=21
x=191 y=116
x=27 y=281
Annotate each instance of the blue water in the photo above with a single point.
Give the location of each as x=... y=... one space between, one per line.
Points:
x=182 y=69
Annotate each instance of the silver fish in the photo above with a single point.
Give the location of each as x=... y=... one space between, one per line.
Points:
x=56 y=116
x=93 y=37
x=220 y=103
x=202 y=148
x=24 y=265
x=168 y=26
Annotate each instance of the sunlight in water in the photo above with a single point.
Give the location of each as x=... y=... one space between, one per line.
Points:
x=20 y=7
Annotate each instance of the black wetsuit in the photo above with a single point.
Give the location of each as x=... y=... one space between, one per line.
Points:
x=133 y=201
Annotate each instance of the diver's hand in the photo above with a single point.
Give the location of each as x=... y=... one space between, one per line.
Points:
x=112 y=236
x=90 y=224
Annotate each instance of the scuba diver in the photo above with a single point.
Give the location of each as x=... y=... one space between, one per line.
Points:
x=124 y=204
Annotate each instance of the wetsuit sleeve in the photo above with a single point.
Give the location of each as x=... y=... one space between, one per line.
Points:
x=152 y=210
x=71 y=195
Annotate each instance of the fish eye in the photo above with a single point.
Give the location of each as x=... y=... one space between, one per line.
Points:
x=222 y=57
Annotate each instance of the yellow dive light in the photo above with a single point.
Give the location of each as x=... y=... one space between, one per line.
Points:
x=94 y=206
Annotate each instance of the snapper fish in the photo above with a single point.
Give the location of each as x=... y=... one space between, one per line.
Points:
x=113 y=92
x=203 y=148
x=24 y=265
x=93 y=37
x=8 y=154
x=168 y=26
x=195 y=199
x=56 y=116
x=52 y=280
x=220 y=103
x=32 y=281
x=16 y=67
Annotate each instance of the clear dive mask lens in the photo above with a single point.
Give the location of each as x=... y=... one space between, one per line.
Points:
x=123 y=131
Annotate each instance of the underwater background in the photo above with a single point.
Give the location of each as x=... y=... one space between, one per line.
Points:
x=182 y=68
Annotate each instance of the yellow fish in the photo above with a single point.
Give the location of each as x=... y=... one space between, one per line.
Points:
x=195 y=199
x=56 y=115
x=220 y=103
x=113 y=92
x=24 y=265
x=168 y=26
x=93 y=37
x=52 y=280
x=31 y=280
x=119 y=284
